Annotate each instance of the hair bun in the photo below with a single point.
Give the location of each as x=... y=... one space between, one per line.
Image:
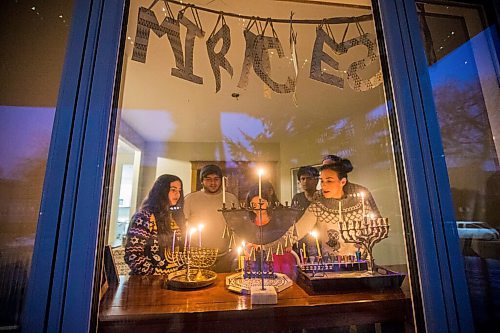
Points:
x=346 y=165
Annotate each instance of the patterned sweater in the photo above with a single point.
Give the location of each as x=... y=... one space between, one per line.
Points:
x=143 y=252
x=325 y=214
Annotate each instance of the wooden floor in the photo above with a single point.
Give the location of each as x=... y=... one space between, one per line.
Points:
x=139 y=304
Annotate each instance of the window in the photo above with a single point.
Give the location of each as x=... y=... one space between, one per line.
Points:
x=249 y=107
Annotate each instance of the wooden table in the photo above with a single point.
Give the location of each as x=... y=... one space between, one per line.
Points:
x=139 y=304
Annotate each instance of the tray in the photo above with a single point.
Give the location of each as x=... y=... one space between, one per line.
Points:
x=336 y=282
x=197 y=279
x=239 y=284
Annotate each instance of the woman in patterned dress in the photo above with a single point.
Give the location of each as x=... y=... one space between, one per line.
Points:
x=154 y=227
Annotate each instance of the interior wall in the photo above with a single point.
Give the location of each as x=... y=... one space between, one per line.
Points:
x=182 y=169
x=175 y=158
x=121 y=159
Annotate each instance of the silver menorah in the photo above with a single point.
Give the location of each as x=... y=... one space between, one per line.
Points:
x=366 y=232
x=194 y=260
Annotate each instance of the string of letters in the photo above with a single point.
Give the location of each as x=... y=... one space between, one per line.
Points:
x=260 y=38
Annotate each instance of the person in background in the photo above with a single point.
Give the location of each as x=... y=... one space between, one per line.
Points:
x=308 y=180
x=153 y=228
x=202 y=207
x=282 y=263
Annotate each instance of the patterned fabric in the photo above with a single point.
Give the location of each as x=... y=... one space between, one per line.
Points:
x=143 y=252
x=119 y=258
x=348 y=209
x=324 y=216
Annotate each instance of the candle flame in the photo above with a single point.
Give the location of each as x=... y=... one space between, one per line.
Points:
x=243 y=244
x=260 y=171
x=314 y=233
x=362 y=194
x=239 y=250
x=192 y=231
x=200 y=227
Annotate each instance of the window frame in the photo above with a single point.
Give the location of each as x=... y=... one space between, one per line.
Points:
x=63 y=285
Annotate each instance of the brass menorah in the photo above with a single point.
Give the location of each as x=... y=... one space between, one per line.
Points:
x=194 y=260
x=366 y=232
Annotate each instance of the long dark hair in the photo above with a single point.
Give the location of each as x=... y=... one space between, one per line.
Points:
x=157 y=202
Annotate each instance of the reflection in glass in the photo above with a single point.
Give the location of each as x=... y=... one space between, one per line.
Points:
x=34 y=37
x=463 y=71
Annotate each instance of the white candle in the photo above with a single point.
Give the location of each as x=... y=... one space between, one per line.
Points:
x=224 y=190
x=340 y=210
x=186 y=238
x=200 y=227
x=363 y=202
x=260 y=183
x=191 y=232
x=173 y=241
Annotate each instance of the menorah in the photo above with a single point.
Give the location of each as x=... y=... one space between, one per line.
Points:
x=257 y=268
x=195 y=261
x=367 y=233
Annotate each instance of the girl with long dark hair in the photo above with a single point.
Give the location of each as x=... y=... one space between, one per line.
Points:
x=154 y=227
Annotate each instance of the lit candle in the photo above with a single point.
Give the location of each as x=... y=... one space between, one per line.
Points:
x=240 y=259
x=363 y=202
x=191 y=232
x=173 y=241
x=304 y=249
x=260 y=183
x=200 y=227
x=223 y=190
x=186 y=238
x=314 y=233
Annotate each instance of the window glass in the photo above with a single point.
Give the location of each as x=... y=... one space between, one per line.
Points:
x=463 y=67
x=34 y=35
x=215 y=99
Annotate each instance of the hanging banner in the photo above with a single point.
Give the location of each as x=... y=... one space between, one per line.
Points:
x=319 y=56
x=147 y=21
x=262 y=65
x=257 y=50
x=218 y=60
x=353 y=77
x=353 y=73
x=247 y=58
